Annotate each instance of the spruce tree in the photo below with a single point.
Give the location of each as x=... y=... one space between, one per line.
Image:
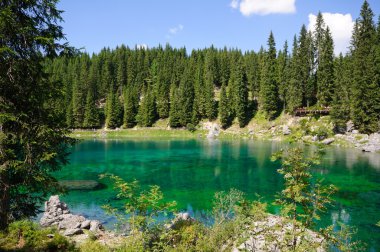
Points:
x=147 y=114
x=91 y=114
x=365 y=102
x=269 y=100
x=241 y=94
x=33 y=140
x=209 y=80
x=305 y=56
x=224 y=108
x=186 y=96
x=325 y=71
x=340 y=112
x=175 y=108
x=131 y=103
x=283 y=73
x=295 y=90
x=113 y=110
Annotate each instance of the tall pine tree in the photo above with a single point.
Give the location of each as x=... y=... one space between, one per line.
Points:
x=269 y=100
x=365 y=102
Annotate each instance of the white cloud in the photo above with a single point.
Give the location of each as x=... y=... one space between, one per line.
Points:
x=142 y=46
x=176 y=29
x=264 y=7
x=234 y=4
x=341 y=27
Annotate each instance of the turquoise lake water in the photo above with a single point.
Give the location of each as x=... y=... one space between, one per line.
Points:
x=191 y=171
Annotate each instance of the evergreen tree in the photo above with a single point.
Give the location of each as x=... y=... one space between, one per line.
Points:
x=33 y=140
x=340 y=112
x=79 y=91
x=186 y=96
x=241 y=94
x=283 y=73
x=365 y=102
x=304 y=61
x=295 y=92
x=224 y=108
x=269 y=89
x=209 y=80
x=325 y=72
x=147 y=111
x=91 y=114
x=131 y=103
x=113 y=110
x=175 y=108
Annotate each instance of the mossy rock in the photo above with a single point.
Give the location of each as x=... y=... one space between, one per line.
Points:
x=80 y=184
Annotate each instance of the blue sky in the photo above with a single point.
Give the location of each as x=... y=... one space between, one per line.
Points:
x=243 y=24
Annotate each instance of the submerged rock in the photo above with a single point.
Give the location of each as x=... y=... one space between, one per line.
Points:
x=79 y=184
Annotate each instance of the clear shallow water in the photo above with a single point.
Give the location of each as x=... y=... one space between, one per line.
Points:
x=191 y=171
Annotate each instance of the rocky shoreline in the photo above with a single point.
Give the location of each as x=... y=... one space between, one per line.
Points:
x=79 y=229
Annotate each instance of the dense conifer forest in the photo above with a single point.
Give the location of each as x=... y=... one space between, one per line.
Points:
x=125 y=87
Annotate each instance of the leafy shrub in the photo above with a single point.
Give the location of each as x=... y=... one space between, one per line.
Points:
x=28 y=236
x=142 y=207
x=93 y=246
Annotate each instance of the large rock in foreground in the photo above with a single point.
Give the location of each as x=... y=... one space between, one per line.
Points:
x=57 y=214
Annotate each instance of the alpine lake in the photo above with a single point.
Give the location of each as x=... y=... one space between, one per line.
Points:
x=191 y=171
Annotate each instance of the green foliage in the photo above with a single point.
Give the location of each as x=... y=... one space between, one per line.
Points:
x=269 y=99
x=224 y=108
x=33 y=141
x=190 y=127
x=365 y=100
x=224 y=204
x=301 y=199
x=131 y=101
x=113 y=110
x=141 y=206
x=28 y=236
x=147 y=111
x=240 y=94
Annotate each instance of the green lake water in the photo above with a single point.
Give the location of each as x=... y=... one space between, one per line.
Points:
x=191 y=171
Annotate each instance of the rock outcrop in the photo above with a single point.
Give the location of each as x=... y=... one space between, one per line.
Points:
x=373 y=144
x=328 y=141
x=58 y=214
x=277 y=228
x=180 y=220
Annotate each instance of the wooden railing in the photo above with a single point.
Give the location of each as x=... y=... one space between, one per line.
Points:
x=307 y=111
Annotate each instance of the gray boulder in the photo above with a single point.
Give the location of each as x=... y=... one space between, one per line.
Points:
x=373 y=144
x=213 y=132
x=70 y=221
x=95 y=226
x=57 y=214
x=180 y=220
x=350 y=126
x=286 y=130
x=86 y=224
x=328 y=141
x=74 y=231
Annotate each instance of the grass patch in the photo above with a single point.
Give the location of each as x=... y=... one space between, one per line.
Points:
x=143 y=133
